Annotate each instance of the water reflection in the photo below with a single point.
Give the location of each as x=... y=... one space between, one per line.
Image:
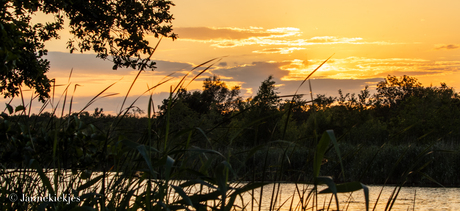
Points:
x=409 y=198
x=289 y=196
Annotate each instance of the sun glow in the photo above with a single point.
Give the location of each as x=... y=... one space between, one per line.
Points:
x=288 y=41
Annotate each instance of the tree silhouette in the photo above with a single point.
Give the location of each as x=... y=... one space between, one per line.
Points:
x=115 y=28
x=393 y=90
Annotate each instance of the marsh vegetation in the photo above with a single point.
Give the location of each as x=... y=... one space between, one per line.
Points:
x=204 y=149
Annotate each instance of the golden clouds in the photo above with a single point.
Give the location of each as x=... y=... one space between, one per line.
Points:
x=364 y=68
x=286 y=50
x=213 y=33
x=288 y=38
x=447 y=47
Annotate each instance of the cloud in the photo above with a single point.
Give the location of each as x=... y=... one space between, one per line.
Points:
x=278 y=50
x=61 y=64
x=363 y=68
x=94 y=75
x=273 y=40
x=207 y=33
x=81 y=63
x=94 y=70
x=349 y=74
x=252 y=75
x=332 y=39
x=223 y=33
x=447 y=47
x=287 y=38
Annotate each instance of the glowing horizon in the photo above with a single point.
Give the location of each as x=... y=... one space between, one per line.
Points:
x=288 y=40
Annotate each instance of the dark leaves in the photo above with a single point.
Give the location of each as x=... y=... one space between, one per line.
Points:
x=108 y=28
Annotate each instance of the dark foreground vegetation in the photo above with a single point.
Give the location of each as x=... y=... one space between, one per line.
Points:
x=201 y=150
x=404 y=134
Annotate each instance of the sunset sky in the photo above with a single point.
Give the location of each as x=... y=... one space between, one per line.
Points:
x=286 y=39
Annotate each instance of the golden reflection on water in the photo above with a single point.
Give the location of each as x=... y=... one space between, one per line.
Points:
x=288 y=197
x=409 y=198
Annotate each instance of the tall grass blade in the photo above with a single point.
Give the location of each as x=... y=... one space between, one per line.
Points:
x=350 y=187
x=22 y=100
x=182 y=194
x=65 y=99
x=89 y=183
x=71 y=99
x=168 y=167
x=321 y=148
x=70 y=75
x=313 y=72
x=9 y=107
x=129 y=90
x=331 y=186
x=430 y=178
x=122 y=114
x=311 y=91
x=43 y=107
x=32 y=98
x=366 y=195
x=168 y=117
x=290 y=104
x=393 y=198
x=154 y=49
x=204 y=70
x=95 y=97
x=179 y=85
x=44 y=179
x=331 y=135
x=142 y=150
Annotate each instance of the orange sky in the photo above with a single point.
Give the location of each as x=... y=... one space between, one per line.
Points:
x=286 y=39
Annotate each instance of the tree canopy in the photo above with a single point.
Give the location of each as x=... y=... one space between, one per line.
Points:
x=113 y=29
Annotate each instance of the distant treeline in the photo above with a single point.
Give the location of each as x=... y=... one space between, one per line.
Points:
x=402 y=132
x=404 y=125
x=402 y=111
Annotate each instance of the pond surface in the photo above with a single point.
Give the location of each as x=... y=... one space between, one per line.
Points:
x=409 y=198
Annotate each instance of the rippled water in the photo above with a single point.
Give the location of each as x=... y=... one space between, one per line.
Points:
x=409 y=198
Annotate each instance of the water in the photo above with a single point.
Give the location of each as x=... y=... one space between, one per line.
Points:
x=409 y=198
x=289 y=197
